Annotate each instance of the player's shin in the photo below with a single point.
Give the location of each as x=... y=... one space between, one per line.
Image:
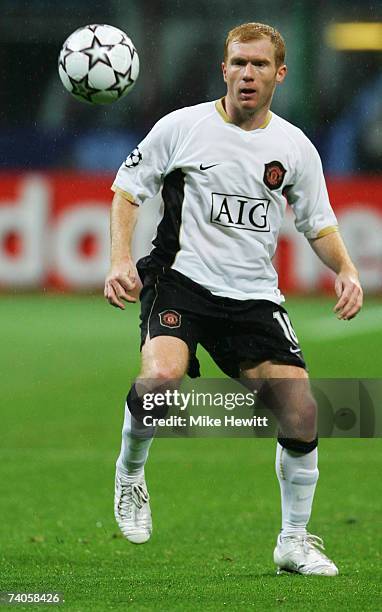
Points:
x=131 y=497
x=136 y=437
x=297 y=472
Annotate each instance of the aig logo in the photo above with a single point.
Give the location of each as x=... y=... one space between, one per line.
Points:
x=240 y=212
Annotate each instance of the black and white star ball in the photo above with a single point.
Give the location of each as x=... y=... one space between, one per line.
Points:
x=98 y=64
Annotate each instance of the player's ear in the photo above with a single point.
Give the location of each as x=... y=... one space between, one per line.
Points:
x=224 y=70
x=281 y=73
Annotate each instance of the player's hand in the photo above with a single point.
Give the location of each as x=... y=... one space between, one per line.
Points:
x=122 y=284
x=349 y=292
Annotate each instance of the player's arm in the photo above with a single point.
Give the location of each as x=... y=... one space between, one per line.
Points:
x=140 y=177
x=332 y=251
x=122 y=281
x=315 y=218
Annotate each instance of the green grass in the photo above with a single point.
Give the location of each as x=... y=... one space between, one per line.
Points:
x=66 y=364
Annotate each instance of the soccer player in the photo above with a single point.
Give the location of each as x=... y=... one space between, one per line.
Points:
x=226 y=169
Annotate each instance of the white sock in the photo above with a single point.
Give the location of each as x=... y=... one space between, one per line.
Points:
x=135 y=446
x=297 y=475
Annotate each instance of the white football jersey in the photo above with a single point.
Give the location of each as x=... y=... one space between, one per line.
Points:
x=224 y=191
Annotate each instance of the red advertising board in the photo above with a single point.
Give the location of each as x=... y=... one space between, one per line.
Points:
x=54 y=233
x=54 y=230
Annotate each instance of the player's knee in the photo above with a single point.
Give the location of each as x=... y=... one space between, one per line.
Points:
x=301 y=423
x=163 y=372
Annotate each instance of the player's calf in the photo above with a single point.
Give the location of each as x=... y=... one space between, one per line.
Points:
x=296 y=550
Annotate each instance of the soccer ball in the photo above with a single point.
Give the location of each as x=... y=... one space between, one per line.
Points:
x=98 y=64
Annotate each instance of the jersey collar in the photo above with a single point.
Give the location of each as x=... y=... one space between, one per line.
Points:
x=222 y=112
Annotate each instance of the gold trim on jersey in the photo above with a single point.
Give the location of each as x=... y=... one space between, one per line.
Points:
x=267 y=120
x=125 y=194
x=327 y=230
x=222 y=112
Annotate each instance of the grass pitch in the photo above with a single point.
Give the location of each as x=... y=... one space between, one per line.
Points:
x=66 y=365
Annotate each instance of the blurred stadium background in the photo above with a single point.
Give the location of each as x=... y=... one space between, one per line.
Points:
x=58 y=156
x=68 y=358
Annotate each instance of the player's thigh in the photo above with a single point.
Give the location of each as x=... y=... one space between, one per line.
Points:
x=257 y=332
x=169 y=329
x=281 y=386
x=270 y=369
x=164 y=358
x=285 y=390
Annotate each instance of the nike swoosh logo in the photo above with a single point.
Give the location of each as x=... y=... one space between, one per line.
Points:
x=208 y=167
x=294 y=350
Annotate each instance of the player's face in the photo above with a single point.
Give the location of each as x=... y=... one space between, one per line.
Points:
x=251 y=74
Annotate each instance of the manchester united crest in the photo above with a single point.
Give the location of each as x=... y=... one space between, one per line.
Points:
x=274 y=173
x=170 y=318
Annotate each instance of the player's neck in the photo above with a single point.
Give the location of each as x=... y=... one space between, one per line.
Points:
x=246 y=120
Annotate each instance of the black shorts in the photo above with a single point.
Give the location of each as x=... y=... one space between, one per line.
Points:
x=232 y=331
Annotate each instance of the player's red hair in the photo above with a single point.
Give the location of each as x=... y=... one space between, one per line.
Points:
x=256 y=31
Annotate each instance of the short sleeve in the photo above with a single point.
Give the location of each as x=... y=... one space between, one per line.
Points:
x=308 y=195
x=141 y=174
